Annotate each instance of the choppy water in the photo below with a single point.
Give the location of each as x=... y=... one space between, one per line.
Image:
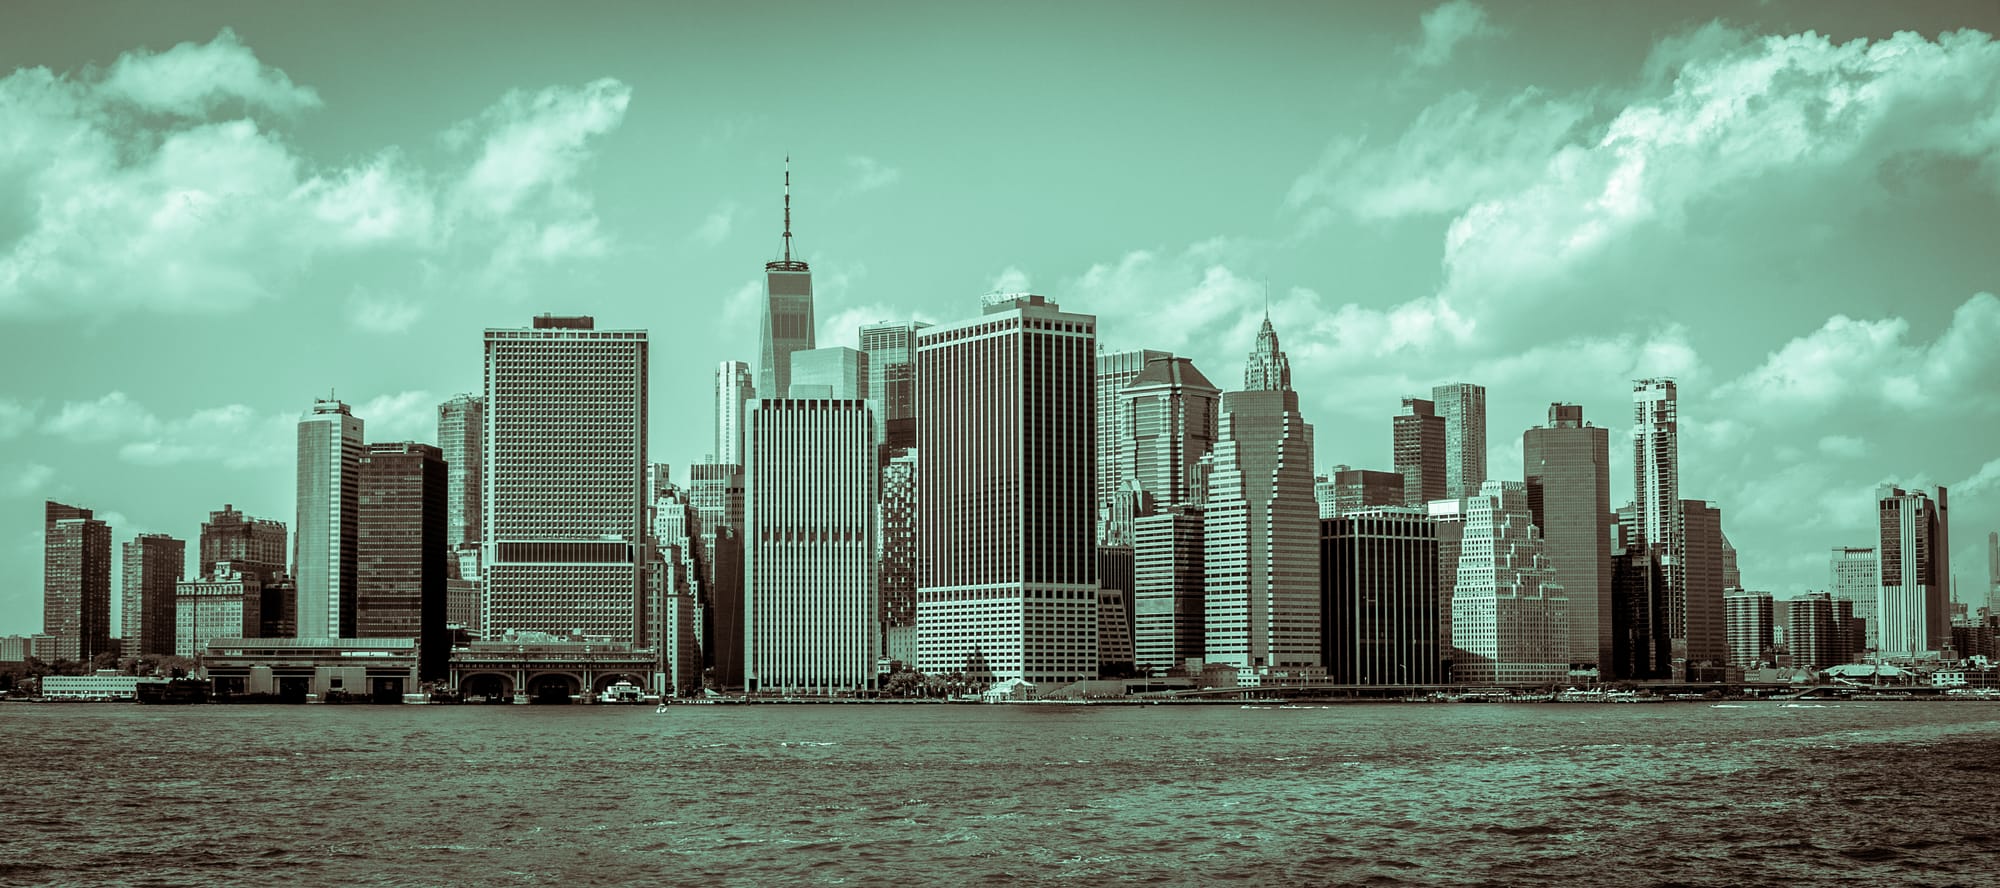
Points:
x=1679 y=794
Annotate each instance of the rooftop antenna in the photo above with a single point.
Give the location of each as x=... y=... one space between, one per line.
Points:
x=788 y=208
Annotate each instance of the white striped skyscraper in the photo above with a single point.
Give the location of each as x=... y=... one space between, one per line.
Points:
x=1007 y=573
x=733 y=389
x=1914 y=564
x=327 y=536
x=565 y=478
x=811 y=620
x=1656 y=495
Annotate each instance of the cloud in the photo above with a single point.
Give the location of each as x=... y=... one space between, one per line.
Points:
x=868 y=174
x=1986 y=479
x=1444 y=28
x=26 y=479
x=1848 y=360
x=15 y=418
x=715 y=229
x=382 y=314
x=167 y=183
x=1010 y=280
x=234 y=436
x=108 y=418
x=742 y=307
x=404 y=416
x=843 y=327
x=1843 y=446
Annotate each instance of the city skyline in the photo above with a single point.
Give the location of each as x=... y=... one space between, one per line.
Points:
x=1876 y=314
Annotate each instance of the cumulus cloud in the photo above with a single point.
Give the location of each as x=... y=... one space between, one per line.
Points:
x=1980 y=482
x=15 y=417
x=1010 y=280
x=382 y=314
x=1872 y=361
x=715 y=227
x=403 y=416
x=108 y=418
x=166 y=183
x=234 y=436
x=1444 y=28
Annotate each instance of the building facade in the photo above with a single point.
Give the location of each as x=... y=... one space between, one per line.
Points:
x=1510 y=618
x=461 y=439
x=1348 y=490
x=76 y=584
x=1913 y=561
x=1656 y=510
x=564 y=497
x=1567 y=468
x=402 y=558
x=1418 y=435
x=1463 y=407
x=1854 y=575
x=154 y=562
x=1007 y=581
x=1168 y=585
x=1750 y=617
x=716 y=491
x=1116 y=370
x=224 y=604
x=1819 y=631
x=1167 y=420
x=1379 y=599
x=892 y=381
x=837 y=370
x=1702 y=583
x=896 y=537
x=329 y=491
x=256 y=545
x=734 y=388
x=812 y=622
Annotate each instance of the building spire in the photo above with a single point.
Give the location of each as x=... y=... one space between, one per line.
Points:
x=788 y=208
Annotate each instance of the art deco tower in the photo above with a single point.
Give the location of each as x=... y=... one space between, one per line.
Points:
x=788 y=313
x=1268 y=370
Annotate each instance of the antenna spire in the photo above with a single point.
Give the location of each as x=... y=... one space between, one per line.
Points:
x=788 y=208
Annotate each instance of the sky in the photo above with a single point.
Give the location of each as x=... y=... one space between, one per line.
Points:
x=212 y=214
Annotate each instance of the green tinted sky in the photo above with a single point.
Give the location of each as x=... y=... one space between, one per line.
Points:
x=1550 y=199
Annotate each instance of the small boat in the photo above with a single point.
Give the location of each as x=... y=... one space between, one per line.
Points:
x=622 y=692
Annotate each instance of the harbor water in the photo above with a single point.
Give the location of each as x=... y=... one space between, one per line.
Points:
x=1387 y=794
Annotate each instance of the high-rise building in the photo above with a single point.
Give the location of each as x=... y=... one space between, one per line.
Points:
x=1463 y=406
x=812 y=624
x=1448 y=522
x=254 y=545
x=1732 y=576
x=1656 y=515
x=329 y=490
x=461 y=437
x=716 y=491
x=564 y=498
x=154 y=562
x=1268 y=369
x=1510 y=618
x=896 y=569
x=836 y=369
x=1817 y=631
x=1261 y=527
x=1116 y=370
x=1993 y=573
x=892 y=380
x=1855 y=576
x=1166 y=420
x=223 y=604
x=1706 y=637
x=1115 y=579
x=733 y=389
x=1915 y=569
x=1749 y=616
x=1168 y=579
x=76 y=584
x=1379 y=598
x=402 y=557
x=1356 y=490
x=1419 y=438
x=1567 y=467
x=1007 y=580
x=1640 y=646
x=788 y=313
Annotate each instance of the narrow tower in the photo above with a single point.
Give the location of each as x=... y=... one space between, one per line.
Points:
x=788 y=311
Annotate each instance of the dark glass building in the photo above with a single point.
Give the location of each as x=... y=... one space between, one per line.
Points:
x=1567 y=467
x=401 y=558
x=1641 y=647
x=1419 y=450
x=1379 y=600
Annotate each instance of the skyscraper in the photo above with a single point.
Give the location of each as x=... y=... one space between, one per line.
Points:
x=1419 y=438
x=1268 y=369
x=811 y=620
x=733 y=389
x=1749 y=617
x=254 y=545
x=76 y=584
x=401 y=556
x=1007 y=580
x=1355 y=490
x=716 y=491
x=1705 y=635
x=1640 y=646
x=1168 y=583
x=892 y=380
x=788 y=312
x=1115 y=371
x=1510 y=618
x=329 y=490
x=461 y=435
x=1261 y=528
x=1166 y=420
x=837 y=369
x=1463 y=406
x=1993 y=572
x=1567 y=467
x=1379 y=607
x=1817 y=632
x=1855 y=576
x=896 y=569
x=154 y=562
x=222 y=604
x=564 y=478
x=1915 y=569
x=1656 y=517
